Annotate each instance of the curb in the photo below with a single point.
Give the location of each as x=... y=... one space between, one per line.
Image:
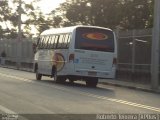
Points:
x=21 y=69
x=131 y=87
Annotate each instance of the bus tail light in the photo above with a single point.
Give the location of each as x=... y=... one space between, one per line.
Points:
x=71 y=57
x=114 y=61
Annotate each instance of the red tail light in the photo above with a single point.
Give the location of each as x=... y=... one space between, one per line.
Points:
x=71 y=57
x=114 y=61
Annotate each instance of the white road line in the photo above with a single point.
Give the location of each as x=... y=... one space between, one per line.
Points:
x=15 y=77
x=93 y=95
x=10 y=112
x=124 y=102
x=6 y=110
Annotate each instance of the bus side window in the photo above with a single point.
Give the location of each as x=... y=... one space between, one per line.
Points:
x=41 y=43
x=67 y=40
x=38 y=41
x=48 y=42
x=61 y=41
x=53 y=41
x=56 y=41
x=64 y=41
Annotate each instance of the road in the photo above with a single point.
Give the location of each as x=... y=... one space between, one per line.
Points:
x=20 y=93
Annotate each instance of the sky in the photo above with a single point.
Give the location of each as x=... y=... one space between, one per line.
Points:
x=48 y=5
x=45 y=5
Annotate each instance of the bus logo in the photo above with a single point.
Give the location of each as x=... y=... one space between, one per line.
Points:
x=59 y=61
x=95 y=36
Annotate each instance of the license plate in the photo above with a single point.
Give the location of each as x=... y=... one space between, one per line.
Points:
x=92 y=73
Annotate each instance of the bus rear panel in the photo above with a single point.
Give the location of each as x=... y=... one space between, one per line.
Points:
x=94 y=53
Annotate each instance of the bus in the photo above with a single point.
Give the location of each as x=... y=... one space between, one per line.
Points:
x=76 y=53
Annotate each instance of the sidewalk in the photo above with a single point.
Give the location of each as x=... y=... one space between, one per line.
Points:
x=131 y=85
x=15 y=68
x=114 y=82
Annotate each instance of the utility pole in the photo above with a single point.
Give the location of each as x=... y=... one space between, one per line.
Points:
x=155 y=47
x=19 y=39
x=19 y=21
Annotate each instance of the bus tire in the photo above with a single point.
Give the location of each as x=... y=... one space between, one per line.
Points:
x=38 y=75
x=61 y=79
x=91 y=82
x=54 y=74
x=71 y=81
x=57 y=79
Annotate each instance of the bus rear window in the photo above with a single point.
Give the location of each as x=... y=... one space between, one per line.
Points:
x=94 y=39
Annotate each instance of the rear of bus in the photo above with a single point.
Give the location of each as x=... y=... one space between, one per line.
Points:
x=95 y=53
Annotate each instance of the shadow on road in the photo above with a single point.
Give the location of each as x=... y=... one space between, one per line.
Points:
x=81 y=86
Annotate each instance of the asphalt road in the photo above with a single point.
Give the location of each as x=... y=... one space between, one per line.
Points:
x=21 y=94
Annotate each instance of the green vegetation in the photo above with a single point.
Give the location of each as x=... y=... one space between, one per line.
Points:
x=124 y=14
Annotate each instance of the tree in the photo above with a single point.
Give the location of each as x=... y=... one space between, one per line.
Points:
x=28 y=12
x=128 y=14
x=4 y=19
x=33 y=18
x=136 y=14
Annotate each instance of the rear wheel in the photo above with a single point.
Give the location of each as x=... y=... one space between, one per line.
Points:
x=58 y=79
x=91 y=82
x=71 y=81
x=38 y=75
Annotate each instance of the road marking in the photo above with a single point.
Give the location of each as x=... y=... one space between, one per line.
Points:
x=6 y=110
x=15 y=77
x=123 y=102
x=10 y=112
x=92 y=95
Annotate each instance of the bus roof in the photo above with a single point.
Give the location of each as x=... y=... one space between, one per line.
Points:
x=68 y=29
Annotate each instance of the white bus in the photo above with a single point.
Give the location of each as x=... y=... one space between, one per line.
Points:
x=76 y=53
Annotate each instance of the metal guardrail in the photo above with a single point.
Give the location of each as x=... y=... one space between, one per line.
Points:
x=137 y=67
x=10 y=62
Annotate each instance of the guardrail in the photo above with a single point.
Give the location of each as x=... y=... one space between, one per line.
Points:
x=26 y=64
